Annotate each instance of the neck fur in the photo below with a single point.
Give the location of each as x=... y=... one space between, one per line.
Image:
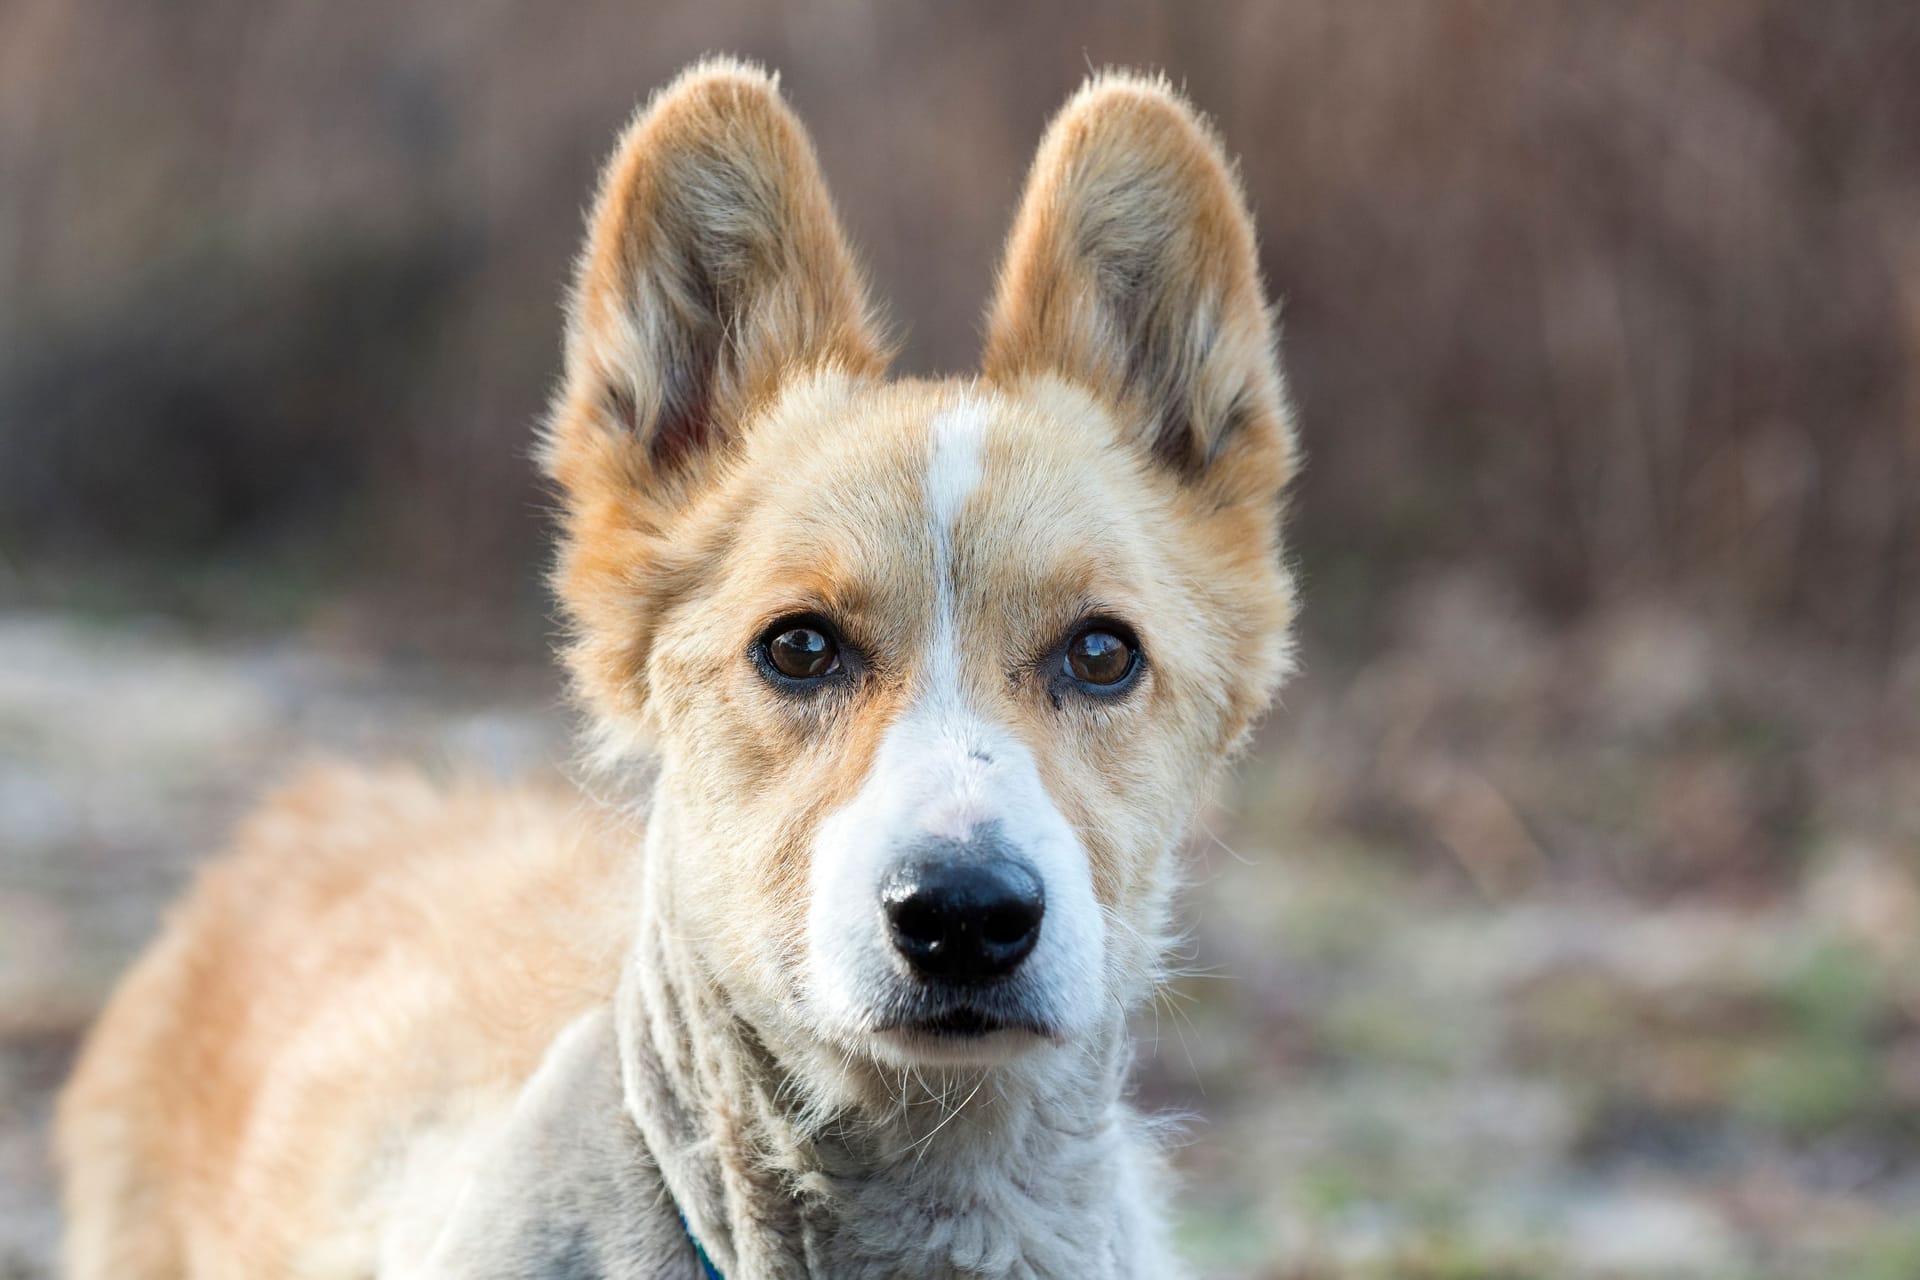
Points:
x=1036 y=1168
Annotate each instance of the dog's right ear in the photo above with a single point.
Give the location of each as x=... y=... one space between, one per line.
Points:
x=714 y=266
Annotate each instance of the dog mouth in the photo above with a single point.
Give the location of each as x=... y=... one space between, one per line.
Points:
x=960 y=1022
x=958 y=1025
x=922 y=1023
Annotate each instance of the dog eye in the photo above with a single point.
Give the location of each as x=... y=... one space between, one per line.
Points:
x=801 y=651
x=1100 y=658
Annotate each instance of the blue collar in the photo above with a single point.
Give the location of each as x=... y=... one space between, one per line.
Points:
x=707 y=1268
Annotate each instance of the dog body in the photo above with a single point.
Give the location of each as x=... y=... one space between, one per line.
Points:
x=928 y=677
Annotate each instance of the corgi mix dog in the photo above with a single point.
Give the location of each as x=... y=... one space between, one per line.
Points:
x=923 y=681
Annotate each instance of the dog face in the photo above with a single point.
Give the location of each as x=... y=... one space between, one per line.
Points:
x=935 y=672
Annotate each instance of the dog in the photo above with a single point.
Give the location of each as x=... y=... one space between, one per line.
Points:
x=921 y=681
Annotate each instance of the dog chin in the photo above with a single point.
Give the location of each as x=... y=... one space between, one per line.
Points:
x=950 y=1042
x=959 y=1032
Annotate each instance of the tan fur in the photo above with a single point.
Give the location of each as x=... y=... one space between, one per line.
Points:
x=376 y=972
x=224 y=1106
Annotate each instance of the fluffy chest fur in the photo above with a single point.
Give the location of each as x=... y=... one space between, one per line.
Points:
x=1046 y=1176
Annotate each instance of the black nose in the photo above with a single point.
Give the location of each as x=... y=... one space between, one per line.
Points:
x=970 y=920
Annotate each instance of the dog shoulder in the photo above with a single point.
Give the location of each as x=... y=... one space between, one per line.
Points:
x=377 y=952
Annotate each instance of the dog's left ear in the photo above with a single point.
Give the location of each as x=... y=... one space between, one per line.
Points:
x=1131 y=271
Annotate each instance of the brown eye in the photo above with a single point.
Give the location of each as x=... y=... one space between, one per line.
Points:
x=802 y=652
x=1099 y=657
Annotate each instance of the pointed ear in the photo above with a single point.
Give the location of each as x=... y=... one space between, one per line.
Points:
x=1131 y=270
x=714 y=266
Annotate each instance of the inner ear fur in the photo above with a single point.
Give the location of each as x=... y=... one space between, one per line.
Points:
x=714 y=266
x=1132 y=270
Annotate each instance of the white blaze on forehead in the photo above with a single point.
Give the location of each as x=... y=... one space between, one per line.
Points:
x=953 y=467
x=953 y=473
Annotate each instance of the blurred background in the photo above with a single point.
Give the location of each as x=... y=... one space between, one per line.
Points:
x=1564 y=922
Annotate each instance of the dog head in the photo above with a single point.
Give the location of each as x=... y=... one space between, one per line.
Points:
x=935 y=672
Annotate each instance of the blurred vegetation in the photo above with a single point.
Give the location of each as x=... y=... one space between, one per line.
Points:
x=1608 y=298
x=1566 y=922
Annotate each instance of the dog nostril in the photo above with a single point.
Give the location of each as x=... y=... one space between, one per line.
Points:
x=918 y=918
x=1007 y=923
x=964 y=920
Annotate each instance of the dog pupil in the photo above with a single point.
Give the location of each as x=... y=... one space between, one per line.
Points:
x=802 y=653
x=1099 y=657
